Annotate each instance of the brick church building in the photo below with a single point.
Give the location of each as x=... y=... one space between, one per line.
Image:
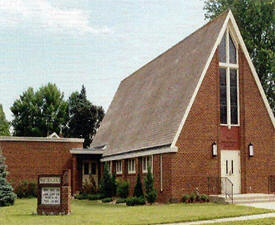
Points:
x=197 y=114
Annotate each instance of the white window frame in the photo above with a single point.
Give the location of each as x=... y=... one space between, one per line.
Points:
x=227 y=66
x=144 y=163
x=131 y=166
x=119 y=168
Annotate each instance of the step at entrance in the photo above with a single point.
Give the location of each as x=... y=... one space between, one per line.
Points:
x=244 y=198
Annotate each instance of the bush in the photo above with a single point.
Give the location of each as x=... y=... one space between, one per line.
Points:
x=107 y=183
x=89 y=187
x=198 y=197
x=95 y=196
x=185 y=198
x=105 y=200
x=7 y=196
x=192 y=197
x=131 y=201
x=151 y=194
x=121 y=200
x=204 y=198
x=138 y=192
x=81 y=196
x=122 y=189
x=26 y=189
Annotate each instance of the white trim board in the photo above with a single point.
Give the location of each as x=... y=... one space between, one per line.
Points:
x=241 y=43
x=139 y=154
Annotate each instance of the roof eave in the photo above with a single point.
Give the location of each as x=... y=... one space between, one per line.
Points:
x=141 y=152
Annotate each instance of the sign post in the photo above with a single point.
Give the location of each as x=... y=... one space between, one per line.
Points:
x=54 y=194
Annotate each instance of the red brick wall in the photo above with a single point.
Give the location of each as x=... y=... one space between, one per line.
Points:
x=256 y=127
x=25 y=160
x=193 y=163
x=165 y=194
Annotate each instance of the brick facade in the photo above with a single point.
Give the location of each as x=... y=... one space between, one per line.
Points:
x=27 y=159
x=194 y=163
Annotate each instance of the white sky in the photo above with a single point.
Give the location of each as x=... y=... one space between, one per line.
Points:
x=96 y=43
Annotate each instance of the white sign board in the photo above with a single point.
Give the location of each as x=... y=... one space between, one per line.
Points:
x=50 y=196
x=49 y=180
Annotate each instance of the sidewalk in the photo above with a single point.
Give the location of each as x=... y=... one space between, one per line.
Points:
x=252 y=217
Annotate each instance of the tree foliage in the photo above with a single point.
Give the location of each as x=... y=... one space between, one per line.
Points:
x=255 y=19
x=39 y=113
x=150 y=192
x=138 y=192
x=7 y=197
x=107 y=183
x=4 y=124
x=84 y=117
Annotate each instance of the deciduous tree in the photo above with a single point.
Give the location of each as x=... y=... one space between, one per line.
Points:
x=255 y=19
x=4 y=124
x=39 y=113
x=84 y=117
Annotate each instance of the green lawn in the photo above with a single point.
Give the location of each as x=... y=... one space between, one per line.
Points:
x=91 y=212
x=268 y=221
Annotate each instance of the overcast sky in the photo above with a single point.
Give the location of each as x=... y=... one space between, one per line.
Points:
x=92 y=42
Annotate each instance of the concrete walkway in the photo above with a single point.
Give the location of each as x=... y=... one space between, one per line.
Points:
x=263 y=205
x=241 y=218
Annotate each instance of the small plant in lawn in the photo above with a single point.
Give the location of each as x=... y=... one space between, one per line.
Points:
x=138 y=192
x=192 y=197
x=198 y=197
x=95 y=196
x=26 y=189
x=121 y=200
x=150 y=193
x=89 y=186
x=107 y=183
x=105 y=200
x=204 y=198
x=81 y=196
x=185 y=198
x=7 y=196
x=131 y=201
x=122 y=188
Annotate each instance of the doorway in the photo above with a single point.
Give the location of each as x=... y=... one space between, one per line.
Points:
x=231 y=168
x=90 y=171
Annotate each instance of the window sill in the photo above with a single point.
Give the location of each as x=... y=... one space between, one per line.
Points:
x=230 y=125
x=132 y=172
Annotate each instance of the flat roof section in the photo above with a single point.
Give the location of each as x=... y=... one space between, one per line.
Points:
x=40 y=139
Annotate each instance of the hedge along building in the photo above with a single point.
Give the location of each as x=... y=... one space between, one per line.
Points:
x=196 y=113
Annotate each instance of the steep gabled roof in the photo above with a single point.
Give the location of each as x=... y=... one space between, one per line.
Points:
x=149 y=105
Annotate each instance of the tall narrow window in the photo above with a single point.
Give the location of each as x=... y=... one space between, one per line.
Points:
x=228 y=81
x=146 y=162
x=131 y=166
x=223 y=104
x=232 y=51
x=119 y=167
x=233 y=96
x=222 y=49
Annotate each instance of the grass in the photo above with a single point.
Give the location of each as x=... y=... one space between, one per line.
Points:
x=267 y=221
x=91 y=212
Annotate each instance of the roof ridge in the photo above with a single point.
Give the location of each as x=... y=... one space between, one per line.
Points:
x=178 y=43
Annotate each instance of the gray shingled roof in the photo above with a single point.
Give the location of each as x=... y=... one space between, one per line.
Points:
x=149 y=105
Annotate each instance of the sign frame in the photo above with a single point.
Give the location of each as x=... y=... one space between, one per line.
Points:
x=53 y=207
